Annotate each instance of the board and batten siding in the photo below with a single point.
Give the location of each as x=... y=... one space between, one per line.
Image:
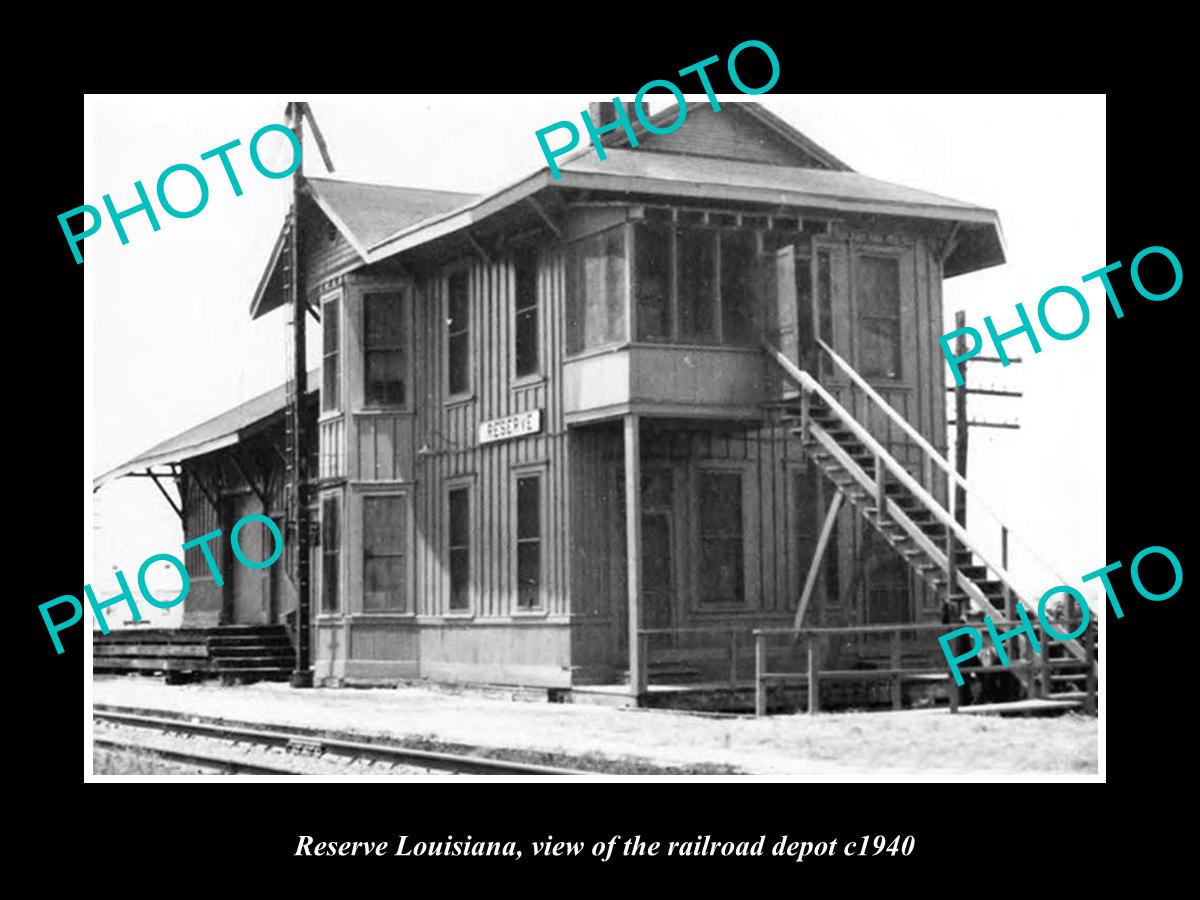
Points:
x=449 y=429
x=422 y=450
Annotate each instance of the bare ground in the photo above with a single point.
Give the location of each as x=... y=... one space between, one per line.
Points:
x=835 y=745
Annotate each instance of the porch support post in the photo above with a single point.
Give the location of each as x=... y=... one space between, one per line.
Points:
x=633 y=551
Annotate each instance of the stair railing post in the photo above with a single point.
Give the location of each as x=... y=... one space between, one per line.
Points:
x=1089 y=646
x=760 y=670
x=1008 y=597
x=1043 y=666
x=897 y=683
x=814 y=683
x=733 y=655
x=951 y=570
x=805 y=412
x=643 y=660
x=880 y=489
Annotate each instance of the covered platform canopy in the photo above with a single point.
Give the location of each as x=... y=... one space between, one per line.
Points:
x=225 y=430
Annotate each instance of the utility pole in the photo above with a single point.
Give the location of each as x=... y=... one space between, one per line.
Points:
x=302 y=677
x=963 y=425
x=961 y=428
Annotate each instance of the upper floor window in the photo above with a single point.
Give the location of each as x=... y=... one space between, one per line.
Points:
x=877 y=295
x=458 y=329
x=384 y=349
x=596 y=290
x=331 y=365
x=526 y=306
x=694 y=284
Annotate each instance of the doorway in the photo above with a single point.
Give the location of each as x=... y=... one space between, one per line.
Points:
x=658 y=557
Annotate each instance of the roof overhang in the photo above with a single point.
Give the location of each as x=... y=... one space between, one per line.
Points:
x=229 y=428
x=980 y=242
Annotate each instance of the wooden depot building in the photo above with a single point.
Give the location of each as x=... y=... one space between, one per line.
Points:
x=547 y=428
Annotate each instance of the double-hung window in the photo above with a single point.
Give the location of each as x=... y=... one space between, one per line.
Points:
x=384 y=350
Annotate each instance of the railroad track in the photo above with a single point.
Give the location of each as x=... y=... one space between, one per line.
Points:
x=300 y=744
x=202 y=760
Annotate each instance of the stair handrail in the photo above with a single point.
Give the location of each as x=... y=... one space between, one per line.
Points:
x=807 y=382
x=930 y=451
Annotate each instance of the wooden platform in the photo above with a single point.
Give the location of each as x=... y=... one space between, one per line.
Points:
x=1032 y=707
x=230 y=652
x=919 y=692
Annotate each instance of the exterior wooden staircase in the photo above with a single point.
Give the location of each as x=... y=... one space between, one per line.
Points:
x=924 y=533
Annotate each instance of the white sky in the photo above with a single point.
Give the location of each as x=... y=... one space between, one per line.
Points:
x=173 y=344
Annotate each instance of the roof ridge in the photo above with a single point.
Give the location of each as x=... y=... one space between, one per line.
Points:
x=380 y=184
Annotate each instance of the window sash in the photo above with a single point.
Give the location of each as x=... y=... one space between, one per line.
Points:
x=529 y=542
x=330 y=554
x=458 y=333
x=596 y=291
x=331 y=357
x=385 y=338
x=385 y=557
x=458 y=548
x=700 y=286
x=526 y=349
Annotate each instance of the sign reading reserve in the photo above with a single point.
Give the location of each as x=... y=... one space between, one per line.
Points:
x=510 y=427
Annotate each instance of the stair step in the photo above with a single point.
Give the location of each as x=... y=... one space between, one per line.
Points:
x=255 y=662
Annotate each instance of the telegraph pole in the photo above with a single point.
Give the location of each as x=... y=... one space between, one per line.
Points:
x=302 y=677
x=963 y=425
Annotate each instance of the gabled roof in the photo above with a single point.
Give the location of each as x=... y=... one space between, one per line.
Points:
x=363 y=214
x=381 y=221
x=756 y=112
x=981 y=243
x=367 y=213
x=220 y=431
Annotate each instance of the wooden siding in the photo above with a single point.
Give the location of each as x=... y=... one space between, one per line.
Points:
x=727 y=135
x=421 y=451
x=449 y=430
x=325 y=251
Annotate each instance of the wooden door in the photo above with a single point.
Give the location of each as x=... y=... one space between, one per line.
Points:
x=252 y=587
x=658 y=556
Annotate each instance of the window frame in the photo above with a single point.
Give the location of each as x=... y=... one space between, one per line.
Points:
x=857 y=252
x=337 y=498
x=674 y=226
x=568 y=249
x=467 y=483
x=750 y=584
x=334 y=297
x=406 y=346
x=464 y=269
x=538 y=373
x=538 y=470
x=406 y=498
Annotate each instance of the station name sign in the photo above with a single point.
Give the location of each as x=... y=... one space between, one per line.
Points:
x=510 y=427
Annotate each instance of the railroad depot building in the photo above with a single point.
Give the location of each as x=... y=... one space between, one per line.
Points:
x=516 y=389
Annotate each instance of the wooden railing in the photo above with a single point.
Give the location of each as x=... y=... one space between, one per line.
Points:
x=1028 y=666
x=932 y=457
x=886 y=462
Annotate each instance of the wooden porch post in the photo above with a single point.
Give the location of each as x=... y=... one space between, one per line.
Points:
x=633 y=551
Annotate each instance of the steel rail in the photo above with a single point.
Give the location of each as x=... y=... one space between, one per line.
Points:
x=316 y=741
